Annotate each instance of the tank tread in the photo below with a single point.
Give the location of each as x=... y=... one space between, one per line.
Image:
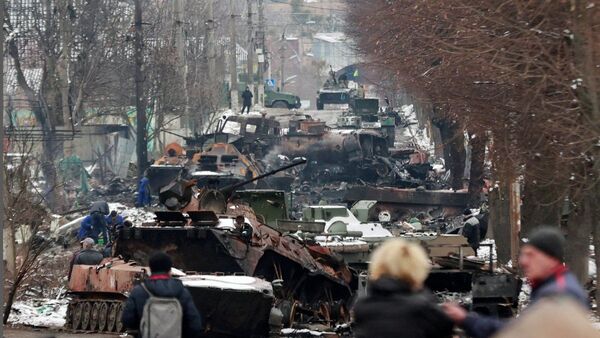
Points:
x=95 y=315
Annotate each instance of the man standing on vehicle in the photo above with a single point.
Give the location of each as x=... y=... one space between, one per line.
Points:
x=161 y=306
x=247 y=100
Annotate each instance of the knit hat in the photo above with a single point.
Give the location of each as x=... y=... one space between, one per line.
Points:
x=159 y=263
x=549 y=240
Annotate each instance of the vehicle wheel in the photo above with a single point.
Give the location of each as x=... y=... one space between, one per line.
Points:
x=280 y=105
x=76 y=315
x=94 y=316
x=319 y=106
x=102 y=316
x=112 y=319
x=118 y=324
x=85 y=315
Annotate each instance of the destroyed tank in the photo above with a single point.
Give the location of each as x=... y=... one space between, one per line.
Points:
x=336 y=154
x=218 y=165
x=99 y=294
x=199 y=232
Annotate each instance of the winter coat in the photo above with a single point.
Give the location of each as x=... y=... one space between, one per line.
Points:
x=162 y=286
x=562 y=283
x=247 y=96
x=144 y=197
x=112 y=223
x=393 y=310
x=86 y=229
x=88 y=257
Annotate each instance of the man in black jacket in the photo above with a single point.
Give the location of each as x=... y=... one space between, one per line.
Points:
x=87 y=255
x=247 y=100
x=161 y=284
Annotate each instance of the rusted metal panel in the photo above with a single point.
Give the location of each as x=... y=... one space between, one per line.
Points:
x=113 y=276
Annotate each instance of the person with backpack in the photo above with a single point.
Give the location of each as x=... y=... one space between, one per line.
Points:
x=161 y=306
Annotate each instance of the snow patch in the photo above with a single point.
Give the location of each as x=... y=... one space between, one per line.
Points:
x=40 y=312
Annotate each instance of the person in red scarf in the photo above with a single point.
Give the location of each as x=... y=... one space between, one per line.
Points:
x=542 y=261
x=161 y=284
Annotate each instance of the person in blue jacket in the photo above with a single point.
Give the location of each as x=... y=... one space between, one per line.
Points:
x=542 y=262
x=144 y=197
x=94 y=226
x=114 y=220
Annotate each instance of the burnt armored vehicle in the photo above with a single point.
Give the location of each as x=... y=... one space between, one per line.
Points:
x=202 y=232
x=99 y=294
x=336 y=154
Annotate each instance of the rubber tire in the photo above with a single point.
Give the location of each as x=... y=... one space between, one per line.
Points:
x=280 y=105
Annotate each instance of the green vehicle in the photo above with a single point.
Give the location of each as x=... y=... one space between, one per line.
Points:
x=275 y=99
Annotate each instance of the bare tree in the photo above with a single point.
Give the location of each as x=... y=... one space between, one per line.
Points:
x=520 y=72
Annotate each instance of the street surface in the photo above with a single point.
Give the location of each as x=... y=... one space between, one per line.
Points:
x=47 y=333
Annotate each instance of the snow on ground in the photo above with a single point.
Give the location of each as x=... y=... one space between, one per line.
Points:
x=485 y=251
x=40 y=312
x=413 y=133
x=137 y=216
x=302 y=332
x=239 y=283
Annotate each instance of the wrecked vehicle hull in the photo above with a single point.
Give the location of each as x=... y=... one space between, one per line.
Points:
x=206 y=250
x=231 y=306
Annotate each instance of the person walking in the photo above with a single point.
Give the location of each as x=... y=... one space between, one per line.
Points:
x=247 y=100
x=397 y=304
x=542 y=261
x=184 y=322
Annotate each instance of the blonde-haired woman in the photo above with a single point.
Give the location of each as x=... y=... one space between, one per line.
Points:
x=397 y=305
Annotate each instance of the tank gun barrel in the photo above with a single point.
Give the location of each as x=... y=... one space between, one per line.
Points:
x=230 y=188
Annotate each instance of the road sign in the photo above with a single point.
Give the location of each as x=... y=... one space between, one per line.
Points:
x=270 y=82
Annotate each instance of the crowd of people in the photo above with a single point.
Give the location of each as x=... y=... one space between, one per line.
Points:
x=397 y=303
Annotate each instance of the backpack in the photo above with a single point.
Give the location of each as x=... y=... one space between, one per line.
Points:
x=162 y=317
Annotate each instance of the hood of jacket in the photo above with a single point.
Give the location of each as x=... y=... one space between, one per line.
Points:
x=388 y=285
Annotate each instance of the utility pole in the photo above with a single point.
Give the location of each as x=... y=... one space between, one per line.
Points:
x=251 y=47
x=282 y=61
x=260 y=37
x=140 y=102
x=2 y=187
x=211 y=51
x=233 y=59
x=179 y=32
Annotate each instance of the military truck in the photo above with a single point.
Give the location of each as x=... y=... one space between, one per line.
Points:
x=276 y=99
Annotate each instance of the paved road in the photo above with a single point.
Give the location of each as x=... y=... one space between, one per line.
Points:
x=47 y=333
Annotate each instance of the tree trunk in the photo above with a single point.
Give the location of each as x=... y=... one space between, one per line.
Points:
x=478 y=142
x=541 y=205
x=141 y=135
x=454 y=149
x=579 y=228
